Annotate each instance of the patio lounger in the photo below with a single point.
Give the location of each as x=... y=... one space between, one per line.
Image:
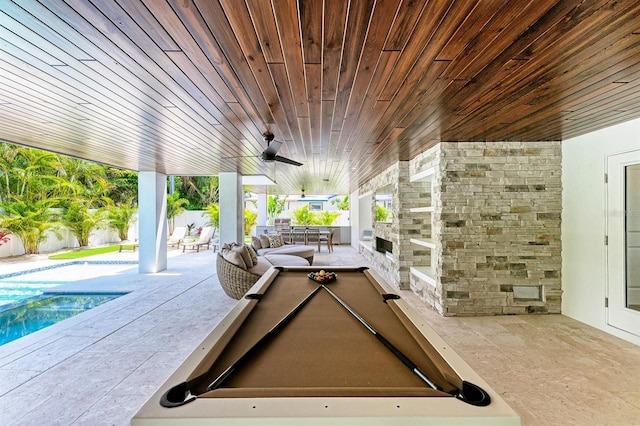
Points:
x=177 y=236
x=206 y=235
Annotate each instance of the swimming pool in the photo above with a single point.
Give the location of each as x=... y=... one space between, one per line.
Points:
x=13 y=291
x=28 y=301
x=38 y=312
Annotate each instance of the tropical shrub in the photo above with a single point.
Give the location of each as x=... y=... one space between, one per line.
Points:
x=175 y=206
x=341 y=204
x=33 y=181
x=81 y=220
x=302 y=216
x=199 y=191
x=275 y=206
x=326 y=218
x=30 y=221
x=382 y=214
x=250 y=220
x=213 y=214
x=120 y=218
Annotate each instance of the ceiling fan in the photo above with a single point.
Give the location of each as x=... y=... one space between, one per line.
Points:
x=270 y=154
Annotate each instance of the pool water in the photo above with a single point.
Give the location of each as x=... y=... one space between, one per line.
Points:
x=12 y=290
x=42 y=311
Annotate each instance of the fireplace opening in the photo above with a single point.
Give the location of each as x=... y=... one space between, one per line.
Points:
x=384 y=246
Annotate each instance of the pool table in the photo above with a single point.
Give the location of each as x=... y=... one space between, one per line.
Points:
x=349 y=351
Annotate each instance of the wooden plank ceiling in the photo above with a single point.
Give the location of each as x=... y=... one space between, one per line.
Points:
x=188 y=87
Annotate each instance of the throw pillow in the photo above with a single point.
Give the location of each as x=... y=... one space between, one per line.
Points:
x=245 y=255
x=234 y=257
x=253 y=254
x=255 y=243
x=275 y=240
x=264 y=240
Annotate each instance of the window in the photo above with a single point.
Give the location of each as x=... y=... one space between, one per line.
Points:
x=315 y=207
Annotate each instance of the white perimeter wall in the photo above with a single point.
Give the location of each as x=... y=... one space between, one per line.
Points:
x=99 y=236
x=583 y=222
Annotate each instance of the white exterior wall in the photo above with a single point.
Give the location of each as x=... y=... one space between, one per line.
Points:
x=98 y=237
x=199 y=218
x=583 y=222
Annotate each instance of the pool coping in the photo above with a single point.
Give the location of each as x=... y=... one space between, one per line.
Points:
x=52 y=291
x=69 y=263
x=4 y=309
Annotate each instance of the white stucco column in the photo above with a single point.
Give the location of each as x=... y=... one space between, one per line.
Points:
x=262 y=209
x=152 y=222
x=231 y=208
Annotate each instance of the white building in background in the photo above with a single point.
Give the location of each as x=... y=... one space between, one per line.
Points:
x=316 y=203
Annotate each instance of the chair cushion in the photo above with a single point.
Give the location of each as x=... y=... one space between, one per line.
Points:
x=286 y=260
x=260 y=267
x=301 y=251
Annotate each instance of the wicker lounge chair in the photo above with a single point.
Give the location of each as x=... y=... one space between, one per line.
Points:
x=234 y=281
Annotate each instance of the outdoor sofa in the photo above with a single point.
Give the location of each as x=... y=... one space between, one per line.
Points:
x=240 y=266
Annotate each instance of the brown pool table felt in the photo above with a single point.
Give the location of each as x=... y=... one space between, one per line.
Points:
x=323 y=350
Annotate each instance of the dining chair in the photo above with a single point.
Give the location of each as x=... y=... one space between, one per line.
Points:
x=328 y=239
x=313 y=236
x=298 y=233
x=284 y=229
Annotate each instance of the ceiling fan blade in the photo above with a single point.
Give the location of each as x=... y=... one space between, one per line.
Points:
x=272 y=148
x=287 y=160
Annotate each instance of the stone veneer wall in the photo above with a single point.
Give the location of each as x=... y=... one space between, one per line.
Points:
x=387 y=267
x=500 y=226
x=496 y=227
x=424 y=226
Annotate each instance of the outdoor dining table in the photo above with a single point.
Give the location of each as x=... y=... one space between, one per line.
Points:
x=302 y=233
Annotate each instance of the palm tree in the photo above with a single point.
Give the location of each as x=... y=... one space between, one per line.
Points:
x=81 y=220
x=124 y=186
x=120 y=218
x=213 y=211
x=8 y=154
x=341 y=204
x=326 y=218
x=382 y=214
x=30 y=221
x=29 y=189
x=29 y=176
x=32 y=175
x=275 y=206
x=302 y=216
x=175 y=206
x=250 y=220
x=199 y=190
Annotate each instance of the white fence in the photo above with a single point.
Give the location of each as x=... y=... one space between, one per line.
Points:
x=98 y=237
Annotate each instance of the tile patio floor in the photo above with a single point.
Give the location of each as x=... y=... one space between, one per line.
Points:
x=99 y=367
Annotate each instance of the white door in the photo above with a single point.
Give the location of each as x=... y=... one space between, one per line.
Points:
x=623 y=249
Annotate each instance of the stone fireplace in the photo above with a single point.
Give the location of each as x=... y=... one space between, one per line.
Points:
x=384 y=246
